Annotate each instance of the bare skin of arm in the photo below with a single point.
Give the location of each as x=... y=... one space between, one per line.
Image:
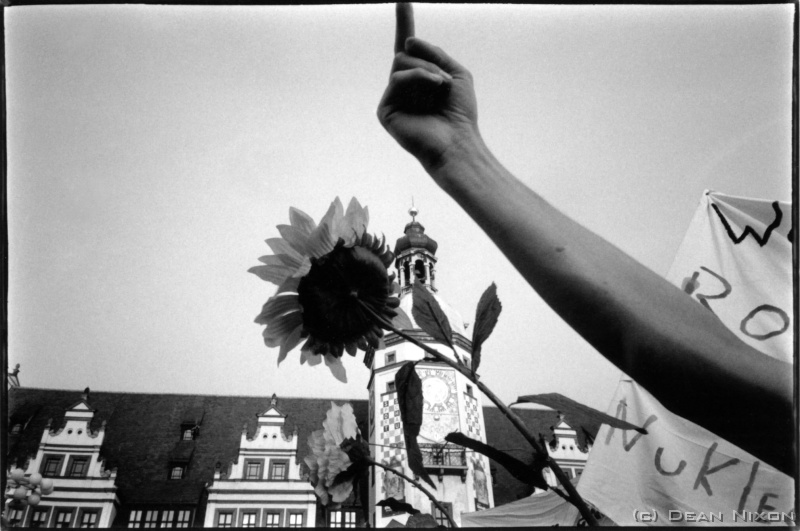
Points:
x=672 y=346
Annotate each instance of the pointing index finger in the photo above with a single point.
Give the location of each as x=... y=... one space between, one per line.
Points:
x=405 y=26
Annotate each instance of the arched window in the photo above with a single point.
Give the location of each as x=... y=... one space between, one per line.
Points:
x=419 y=270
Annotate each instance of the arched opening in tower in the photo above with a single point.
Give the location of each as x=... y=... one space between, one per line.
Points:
x=419 y=270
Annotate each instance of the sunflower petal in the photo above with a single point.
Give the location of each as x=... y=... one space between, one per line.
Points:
x=321 y=241
x=281 y=327
x=294 y=237
x=304 y=268
x=294 y=261
x=291 y=341
x=276 y=274
x=277 y=305
x=402 y=320
x=314 y=359
x=333 y=217
x=281 y=246
x=307 y=350
x=355 y=222
x=351 y=348
x=301 y=221
x=271 y=260
x=291 y=284
x=336 y=367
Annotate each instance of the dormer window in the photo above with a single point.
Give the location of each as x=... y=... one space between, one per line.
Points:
x=188 y=435
x=176 y=472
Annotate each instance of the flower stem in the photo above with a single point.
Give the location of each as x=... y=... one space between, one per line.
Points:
x=419 y=486
x=518 y=423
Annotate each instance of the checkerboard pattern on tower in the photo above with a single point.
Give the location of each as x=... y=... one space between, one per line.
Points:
x=391 y=428
x=473 y=421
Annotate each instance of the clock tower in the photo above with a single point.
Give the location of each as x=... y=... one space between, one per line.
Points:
x=451 y=403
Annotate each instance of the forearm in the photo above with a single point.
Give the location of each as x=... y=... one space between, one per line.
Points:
x=644 y=325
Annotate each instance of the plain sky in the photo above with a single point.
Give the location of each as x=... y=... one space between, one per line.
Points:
x=153 y=149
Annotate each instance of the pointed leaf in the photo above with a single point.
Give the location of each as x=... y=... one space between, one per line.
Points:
x=525 y=473
x=397 y=506
x=568 y=407
x=402 y=321
x=429 y=315
x=409 y=399
x=485 y=320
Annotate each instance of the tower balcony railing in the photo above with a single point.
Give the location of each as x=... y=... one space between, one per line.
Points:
x=444 y=459
x=441 y=455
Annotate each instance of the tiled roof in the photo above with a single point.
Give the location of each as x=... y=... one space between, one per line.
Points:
x=143 y=433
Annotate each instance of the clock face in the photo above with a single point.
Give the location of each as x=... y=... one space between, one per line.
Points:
x=438 y=391
x=440 y=407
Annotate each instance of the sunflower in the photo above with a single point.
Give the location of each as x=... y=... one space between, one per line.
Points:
x=327 y=459
x=333 y=287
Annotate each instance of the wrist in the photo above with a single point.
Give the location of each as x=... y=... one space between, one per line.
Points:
x=463 y=165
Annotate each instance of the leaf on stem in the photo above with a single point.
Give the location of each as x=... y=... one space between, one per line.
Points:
x=530 y=475
x=409 y=398
x=397 y=506
x=429 y=315
x=569 y=407
x=401 y=320
x=485 y=320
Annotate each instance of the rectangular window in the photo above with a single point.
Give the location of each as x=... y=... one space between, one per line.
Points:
x=52 y=465
x=135 y=519
x=295 y=519
x=63 y=518
x=89 y=519
x=15 y=517
x=253 y=469
x=176 y=472
x=391 y=357
x=39 y=518
x=225 y=519
x=248 y=519
x=184 y=519
x=78 y=467
x=469 y=390
x=166 y=518
x=390 y=387
x=342 y=518
x=151 y=519
x=272 y=519
x=440 y=517
x=278 y=469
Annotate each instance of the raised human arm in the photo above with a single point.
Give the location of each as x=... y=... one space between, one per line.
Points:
x=675 y=348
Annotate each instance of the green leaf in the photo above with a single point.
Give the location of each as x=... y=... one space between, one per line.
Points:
x=397 y=506
x=568 y=407
x=409 y=399
x=429 y=315
x=485 y=320
x=530 y=475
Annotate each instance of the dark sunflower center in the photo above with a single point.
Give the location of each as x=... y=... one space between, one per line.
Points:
x=333 y=291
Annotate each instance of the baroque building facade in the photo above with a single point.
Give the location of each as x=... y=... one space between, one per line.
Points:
x=146 y=460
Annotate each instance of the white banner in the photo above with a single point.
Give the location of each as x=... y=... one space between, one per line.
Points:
x=735 y=260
